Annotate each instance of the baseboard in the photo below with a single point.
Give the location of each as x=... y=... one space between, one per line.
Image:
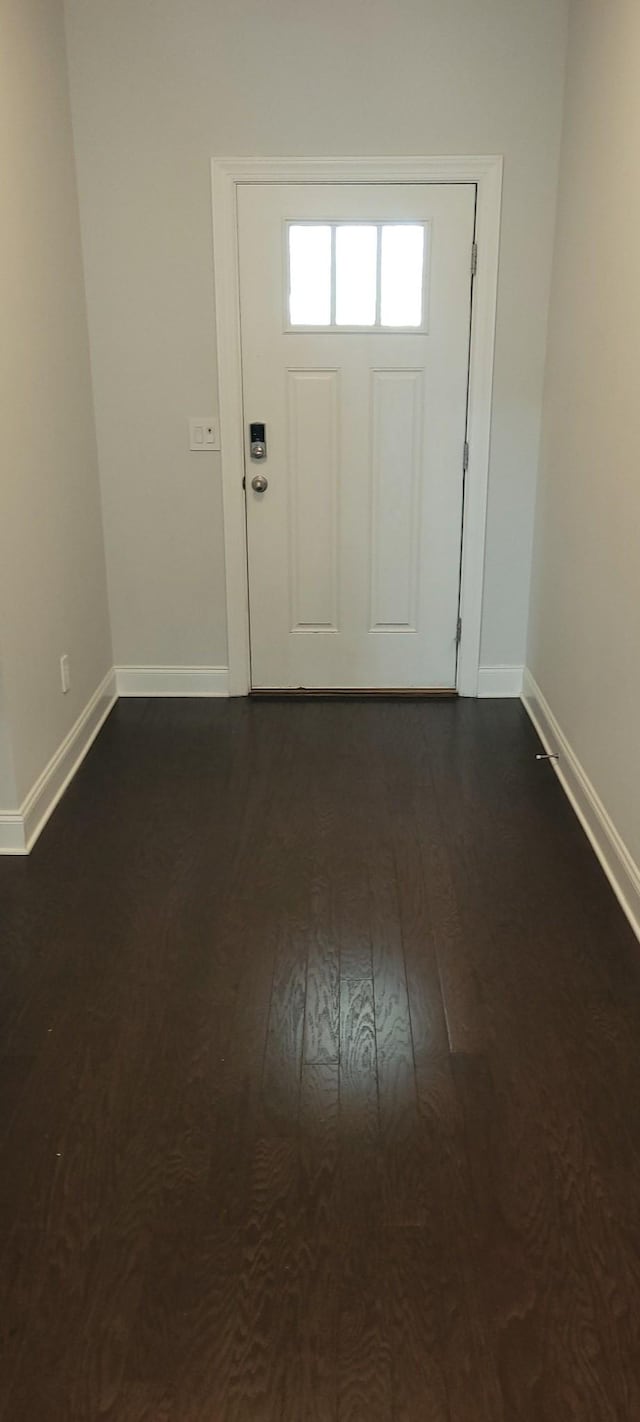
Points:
x=172 y=681
x=12 y=840
x=619 y=866
x=19 y=830
x=500 y=681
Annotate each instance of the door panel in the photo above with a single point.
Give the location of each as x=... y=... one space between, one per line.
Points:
x=397 y=400
x=354 y=548
x=312 y=469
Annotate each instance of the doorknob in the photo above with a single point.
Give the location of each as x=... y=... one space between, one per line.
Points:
x=259 y=484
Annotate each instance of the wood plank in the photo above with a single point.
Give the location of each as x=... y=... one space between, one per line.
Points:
x=414 y=1326
x=364 y=1355
x=311 y=1382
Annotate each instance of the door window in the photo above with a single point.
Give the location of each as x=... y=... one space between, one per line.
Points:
x=356 y=276
x=310 y=264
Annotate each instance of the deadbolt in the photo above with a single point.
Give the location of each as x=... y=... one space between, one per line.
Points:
x=257 y=441
x=259 y=484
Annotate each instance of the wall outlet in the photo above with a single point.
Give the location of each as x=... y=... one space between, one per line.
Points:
x=204 y=432
x=65 y=674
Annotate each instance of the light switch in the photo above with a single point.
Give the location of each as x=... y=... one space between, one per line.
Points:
x=204 y=432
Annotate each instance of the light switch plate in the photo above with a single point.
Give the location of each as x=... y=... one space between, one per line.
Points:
x=204 y=432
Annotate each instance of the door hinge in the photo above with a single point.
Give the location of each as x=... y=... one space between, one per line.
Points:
x=244 y=481
x=474 y=258
x=465 y=456
x=458 y=632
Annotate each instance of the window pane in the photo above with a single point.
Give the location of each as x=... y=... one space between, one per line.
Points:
x=402 y=275
x=356 y=270
x=309 y=275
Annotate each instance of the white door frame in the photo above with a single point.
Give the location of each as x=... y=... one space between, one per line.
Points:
x=486 y=172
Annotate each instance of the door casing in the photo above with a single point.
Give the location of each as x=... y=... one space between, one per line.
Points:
x=486 y=173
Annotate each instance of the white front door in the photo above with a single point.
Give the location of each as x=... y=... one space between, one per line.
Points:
x=355 y=308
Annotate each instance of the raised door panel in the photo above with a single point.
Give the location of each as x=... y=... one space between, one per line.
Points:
x=312 y=461
x=397 y=398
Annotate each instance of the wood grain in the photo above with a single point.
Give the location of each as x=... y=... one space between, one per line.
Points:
x=318 y=1079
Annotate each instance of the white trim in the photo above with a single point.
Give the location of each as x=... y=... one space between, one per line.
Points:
x=620 y=868
x=486 y=172
x=172 y=681
x=500 y=681
x=12 y=840
x=20 y=829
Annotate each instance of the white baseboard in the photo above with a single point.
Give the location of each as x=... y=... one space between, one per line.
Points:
x=19 y=829
x=500 y=681
x=619 y=866
x=12 y=840
x=172 y=681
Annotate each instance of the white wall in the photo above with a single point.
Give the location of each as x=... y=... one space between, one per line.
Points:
x=7 y=778
x=584 y=648
x=157 y=90
x=52 y=573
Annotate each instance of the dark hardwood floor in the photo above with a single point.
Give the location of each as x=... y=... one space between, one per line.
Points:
x=320 y=1088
